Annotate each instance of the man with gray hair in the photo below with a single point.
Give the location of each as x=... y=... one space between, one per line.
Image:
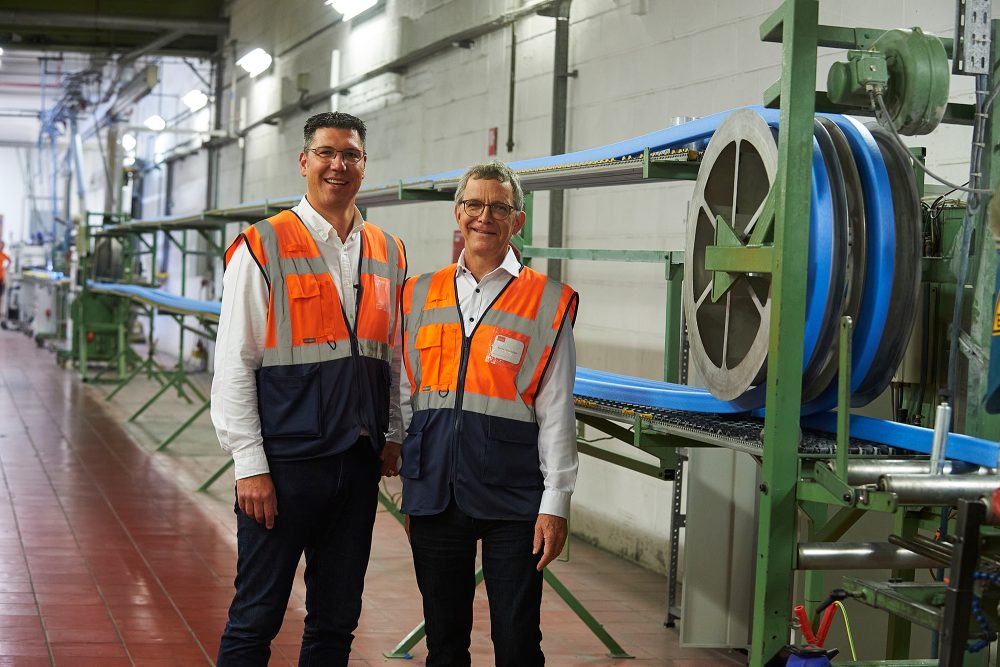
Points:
x=490 y=452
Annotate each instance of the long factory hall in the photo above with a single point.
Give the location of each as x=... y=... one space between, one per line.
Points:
x=634 y=332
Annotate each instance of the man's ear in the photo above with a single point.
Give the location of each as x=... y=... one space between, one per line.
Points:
x=522 y=217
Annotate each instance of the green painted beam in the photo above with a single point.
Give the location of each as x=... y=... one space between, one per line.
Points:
x=672 y=170
x=778 y=512
x=423 y=194
x=648 y=256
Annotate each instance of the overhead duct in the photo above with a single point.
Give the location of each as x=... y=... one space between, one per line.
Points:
x=134 y=90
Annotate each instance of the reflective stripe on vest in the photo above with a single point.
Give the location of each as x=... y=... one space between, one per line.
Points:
x=306 y=321
x=509 y=350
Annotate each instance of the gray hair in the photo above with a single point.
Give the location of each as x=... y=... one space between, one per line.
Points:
x=493 y=171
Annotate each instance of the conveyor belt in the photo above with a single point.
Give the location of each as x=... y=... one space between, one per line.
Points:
x=739 y=432
x=693 y=412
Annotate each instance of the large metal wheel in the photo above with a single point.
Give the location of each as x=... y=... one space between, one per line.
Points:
x=729 y=337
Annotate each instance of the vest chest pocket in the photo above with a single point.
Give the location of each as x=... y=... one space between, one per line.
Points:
x=511 y=454
x=439 y=346
x=289 y=401
x=305 y=308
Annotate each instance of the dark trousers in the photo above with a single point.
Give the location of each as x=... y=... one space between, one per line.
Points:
x=326 y=509
x=444 y=557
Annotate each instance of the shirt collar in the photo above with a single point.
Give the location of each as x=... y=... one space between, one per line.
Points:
x=319 y=226
x=510 y=264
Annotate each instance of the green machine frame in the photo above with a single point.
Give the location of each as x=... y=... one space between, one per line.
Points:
x=795 y=25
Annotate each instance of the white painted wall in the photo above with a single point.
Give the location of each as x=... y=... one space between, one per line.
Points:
x=13 y=206
x=638 y=63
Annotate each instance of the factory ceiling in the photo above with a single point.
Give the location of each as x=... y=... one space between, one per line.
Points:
x=178 y=27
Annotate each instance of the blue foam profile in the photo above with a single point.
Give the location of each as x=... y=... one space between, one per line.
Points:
x=159 y=297
x=601 y=385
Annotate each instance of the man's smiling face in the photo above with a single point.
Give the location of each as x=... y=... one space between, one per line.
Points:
x=332 y=184
x=487 y=238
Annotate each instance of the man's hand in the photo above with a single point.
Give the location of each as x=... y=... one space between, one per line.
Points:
x=550 y=538
x=256 y=498
x=390 y=459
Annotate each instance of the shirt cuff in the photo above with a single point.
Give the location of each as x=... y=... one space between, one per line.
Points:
x=250 y=461
x=555 y=502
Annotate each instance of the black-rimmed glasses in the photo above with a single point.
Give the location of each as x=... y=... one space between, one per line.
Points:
x=498 y=211
x=327 y=154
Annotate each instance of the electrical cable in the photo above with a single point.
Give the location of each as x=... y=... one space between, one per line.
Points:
x=847 y=627
x=878 y=103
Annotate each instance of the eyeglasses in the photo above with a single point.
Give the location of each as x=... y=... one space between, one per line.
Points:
x=349 y=155
x=498 y=211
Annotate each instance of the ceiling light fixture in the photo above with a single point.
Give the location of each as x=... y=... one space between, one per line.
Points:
x=155 y=123
x=195 y=100
x=255 y=62
x=350 y=8
x=128 y=142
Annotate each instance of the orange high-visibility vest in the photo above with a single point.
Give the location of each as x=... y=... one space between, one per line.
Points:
x=321 y=381
x=474 y=430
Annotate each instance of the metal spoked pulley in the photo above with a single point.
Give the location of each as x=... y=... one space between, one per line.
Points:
x=864 y=255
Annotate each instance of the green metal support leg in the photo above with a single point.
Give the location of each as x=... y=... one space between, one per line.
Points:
x=154 y=370
x=614 y=650
x=215 y=475
x=190 y=420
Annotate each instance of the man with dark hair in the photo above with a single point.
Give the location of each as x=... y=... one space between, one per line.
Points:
x=306 y=399
x=490 y=452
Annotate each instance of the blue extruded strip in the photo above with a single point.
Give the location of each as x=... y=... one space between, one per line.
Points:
x=958 y=446
x=881 y=242
x=668 y=396
x=820 y=266
x=158 y=297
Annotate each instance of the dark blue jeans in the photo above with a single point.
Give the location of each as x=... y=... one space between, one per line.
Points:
x=326 y=509
x=444 y=557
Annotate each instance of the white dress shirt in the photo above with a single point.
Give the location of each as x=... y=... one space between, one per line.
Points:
x=554 y=408
x=239 y=345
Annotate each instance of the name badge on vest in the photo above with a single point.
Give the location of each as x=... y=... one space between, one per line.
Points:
x=505 y=349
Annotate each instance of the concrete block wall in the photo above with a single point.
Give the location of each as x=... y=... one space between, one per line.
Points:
x=638 y=64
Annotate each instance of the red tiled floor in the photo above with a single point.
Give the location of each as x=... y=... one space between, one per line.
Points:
x=107 y=559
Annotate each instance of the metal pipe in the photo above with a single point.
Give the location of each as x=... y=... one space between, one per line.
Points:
x=94 y=21
x=859 y=556
x=867 y=471
x=513 y=79
x=560 y=90
x=928 y=548
x=938 y=489
x=942 y=424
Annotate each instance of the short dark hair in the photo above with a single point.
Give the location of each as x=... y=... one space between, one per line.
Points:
x=493 y=171
x=338 y=119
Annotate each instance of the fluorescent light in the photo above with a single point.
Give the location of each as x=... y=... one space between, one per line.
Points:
x=351 y=8
x=128 y=142
x=195 y=100
x=255 y=62
x=155 y=123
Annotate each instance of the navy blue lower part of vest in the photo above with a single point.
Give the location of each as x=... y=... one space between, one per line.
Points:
x=491 y=465
x=314 y=410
